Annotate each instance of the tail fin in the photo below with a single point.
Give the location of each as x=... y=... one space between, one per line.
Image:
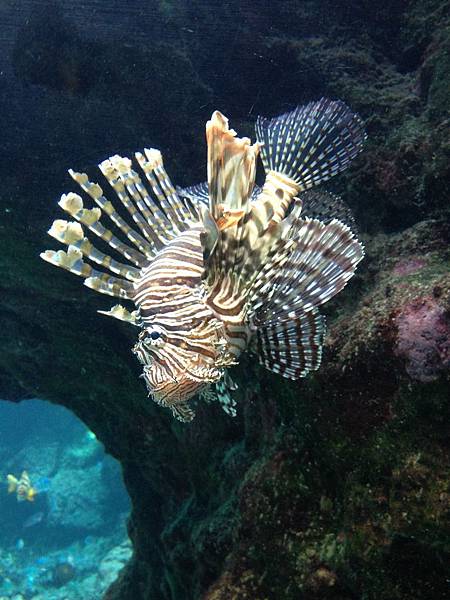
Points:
x=312 y=143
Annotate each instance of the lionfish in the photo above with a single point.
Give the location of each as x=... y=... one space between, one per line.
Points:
x=22 y=487
x=222 y=267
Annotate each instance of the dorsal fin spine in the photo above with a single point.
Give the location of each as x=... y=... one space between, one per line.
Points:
x=96 y=193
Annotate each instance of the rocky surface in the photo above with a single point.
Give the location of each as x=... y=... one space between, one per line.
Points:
x=335 y=487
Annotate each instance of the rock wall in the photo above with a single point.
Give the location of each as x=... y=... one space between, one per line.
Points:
x=335 y=487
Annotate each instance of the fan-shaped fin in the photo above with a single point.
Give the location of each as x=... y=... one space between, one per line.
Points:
x=322 y=260
x=305 y=147
x=312 y=143
x=291 y=348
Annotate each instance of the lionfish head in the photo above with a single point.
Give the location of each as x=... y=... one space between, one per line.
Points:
x=176 y=366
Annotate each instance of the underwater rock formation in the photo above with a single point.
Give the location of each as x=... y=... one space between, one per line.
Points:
x=424 y=338
x=336 y=487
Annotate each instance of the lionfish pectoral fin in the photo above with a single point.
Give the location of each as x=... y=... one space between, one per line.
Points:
x=321 y=260
x=291 y=348
x=182 y=412
x=221 y=391
x=288 y=291
x=224 y=387
x=120 y=312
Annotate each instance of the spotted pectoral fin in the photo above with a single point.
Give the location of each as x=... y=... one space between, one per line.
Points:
x=291 y=348
x=224 y=389
x=182 y=412
x=221 y=391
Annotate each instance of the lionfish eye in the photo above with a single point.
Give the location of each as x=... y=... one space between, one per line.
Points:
x=154 y=335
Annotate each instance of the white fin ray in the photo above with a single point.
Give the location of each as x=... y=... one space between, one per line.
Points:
x=322 y=260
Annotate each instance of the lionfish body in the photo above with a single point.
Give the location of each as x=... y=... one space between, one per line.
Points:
x=224 y=267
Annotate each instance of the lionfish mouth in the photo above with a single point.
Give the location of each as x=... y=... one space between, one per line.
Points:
x=168 y=389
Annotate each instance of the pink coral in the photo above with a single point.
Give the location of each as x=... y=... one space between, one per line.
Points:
x=423 y=338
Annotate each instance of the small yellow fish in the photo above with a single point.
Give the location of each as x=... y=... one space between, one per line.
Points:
x=223 y=267
x=22 y=487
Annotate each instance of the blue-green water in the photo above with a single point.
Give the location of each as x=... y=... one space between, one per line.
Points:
x=78 y=516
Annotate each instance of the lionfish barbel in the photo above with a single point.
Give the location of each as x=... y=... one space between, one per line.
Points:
x=222 y=267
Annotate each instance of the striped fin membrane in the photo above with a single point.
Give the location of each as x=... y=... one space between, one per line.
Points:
x=312 y=143
x=323 y=259
x=305 y=147
x=292 y=348
x=308 y=261
x=319 y=261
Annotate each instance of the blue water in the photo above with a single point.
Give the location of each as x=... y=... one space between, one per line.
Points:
x=78 y=515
